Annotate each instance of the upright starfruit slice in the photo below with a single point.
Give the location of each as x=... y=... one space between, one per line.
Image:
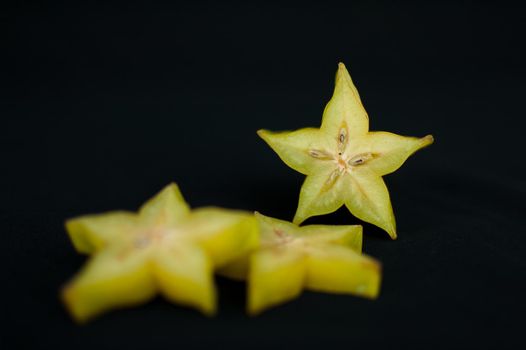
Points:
x=289 y=258
x=165 y=248
x=344 y=161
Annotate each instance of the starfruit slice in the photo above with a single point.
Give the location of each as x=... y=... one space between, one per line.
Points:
x=164 y=248
x=344 y=161
x=289 y=258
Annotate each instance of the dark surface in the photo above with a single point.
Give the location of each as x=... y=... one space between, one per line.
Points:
x=103 y=106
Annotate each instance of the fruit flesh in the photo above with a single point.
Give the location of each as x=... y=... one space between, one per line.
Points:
x=276 y=275
x=90 y=233
x=335 y=269
x=111 y=279
x=289 y=258
x=343 y=160
x=164 y=248
x=184 y=274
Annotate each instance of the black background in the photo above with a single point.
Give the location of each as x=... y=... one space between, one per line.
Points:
x=103 y=105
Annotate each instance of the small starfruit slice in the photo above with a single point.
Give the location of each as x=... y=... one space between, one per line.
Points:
x=164 y=248
x=289 y=258
x=344 y=161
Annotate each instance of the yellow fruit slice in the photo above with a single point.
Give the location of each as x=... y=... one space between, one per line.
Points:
x=347 y=235
x=394 y=149
x=370 y=200
x=343 y=161
x=276 y=276
x=167 y=208
x=291 y=146
x=322 y=193
x=236 y=269
x=290 y=258
x=224 y=234
x=164 y=248
x=345 y=109
x=184 y=274
x=271 y=229
x=91 y=232
x=336 y=269
x=116 y=277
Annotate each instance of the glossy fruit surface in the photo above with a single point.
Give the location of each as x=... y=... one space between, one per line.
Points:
x=317 y=257
x=344 y=161
x=165 y=248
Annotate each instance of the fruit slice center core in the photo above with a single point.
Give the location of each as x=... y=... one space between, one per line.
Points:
x=155 y=236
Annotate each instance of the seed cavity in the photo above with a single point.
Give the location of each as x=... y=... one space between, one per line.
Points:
x=331 y=180
x=314 y=153
x=361 y=158
x=342 y=139
x=141 y=242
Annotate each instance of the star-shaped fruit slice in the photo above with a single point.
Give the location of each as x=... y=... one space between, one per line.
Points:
x=289 y=258
x=165 y=248
x=344 y=161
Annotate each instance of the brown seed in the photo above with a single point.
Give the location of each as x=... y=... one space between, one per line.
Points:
x=361 y=158
x=319 y=154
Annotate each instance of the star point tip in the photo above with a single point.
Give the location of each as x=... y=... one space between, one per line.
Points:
x=263 y=133
x=427 y=140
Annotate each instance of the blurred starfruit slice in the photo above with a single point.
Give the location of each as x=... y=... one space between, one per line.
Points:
x=344 y=161
x=165 y=248
x=317 y=257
